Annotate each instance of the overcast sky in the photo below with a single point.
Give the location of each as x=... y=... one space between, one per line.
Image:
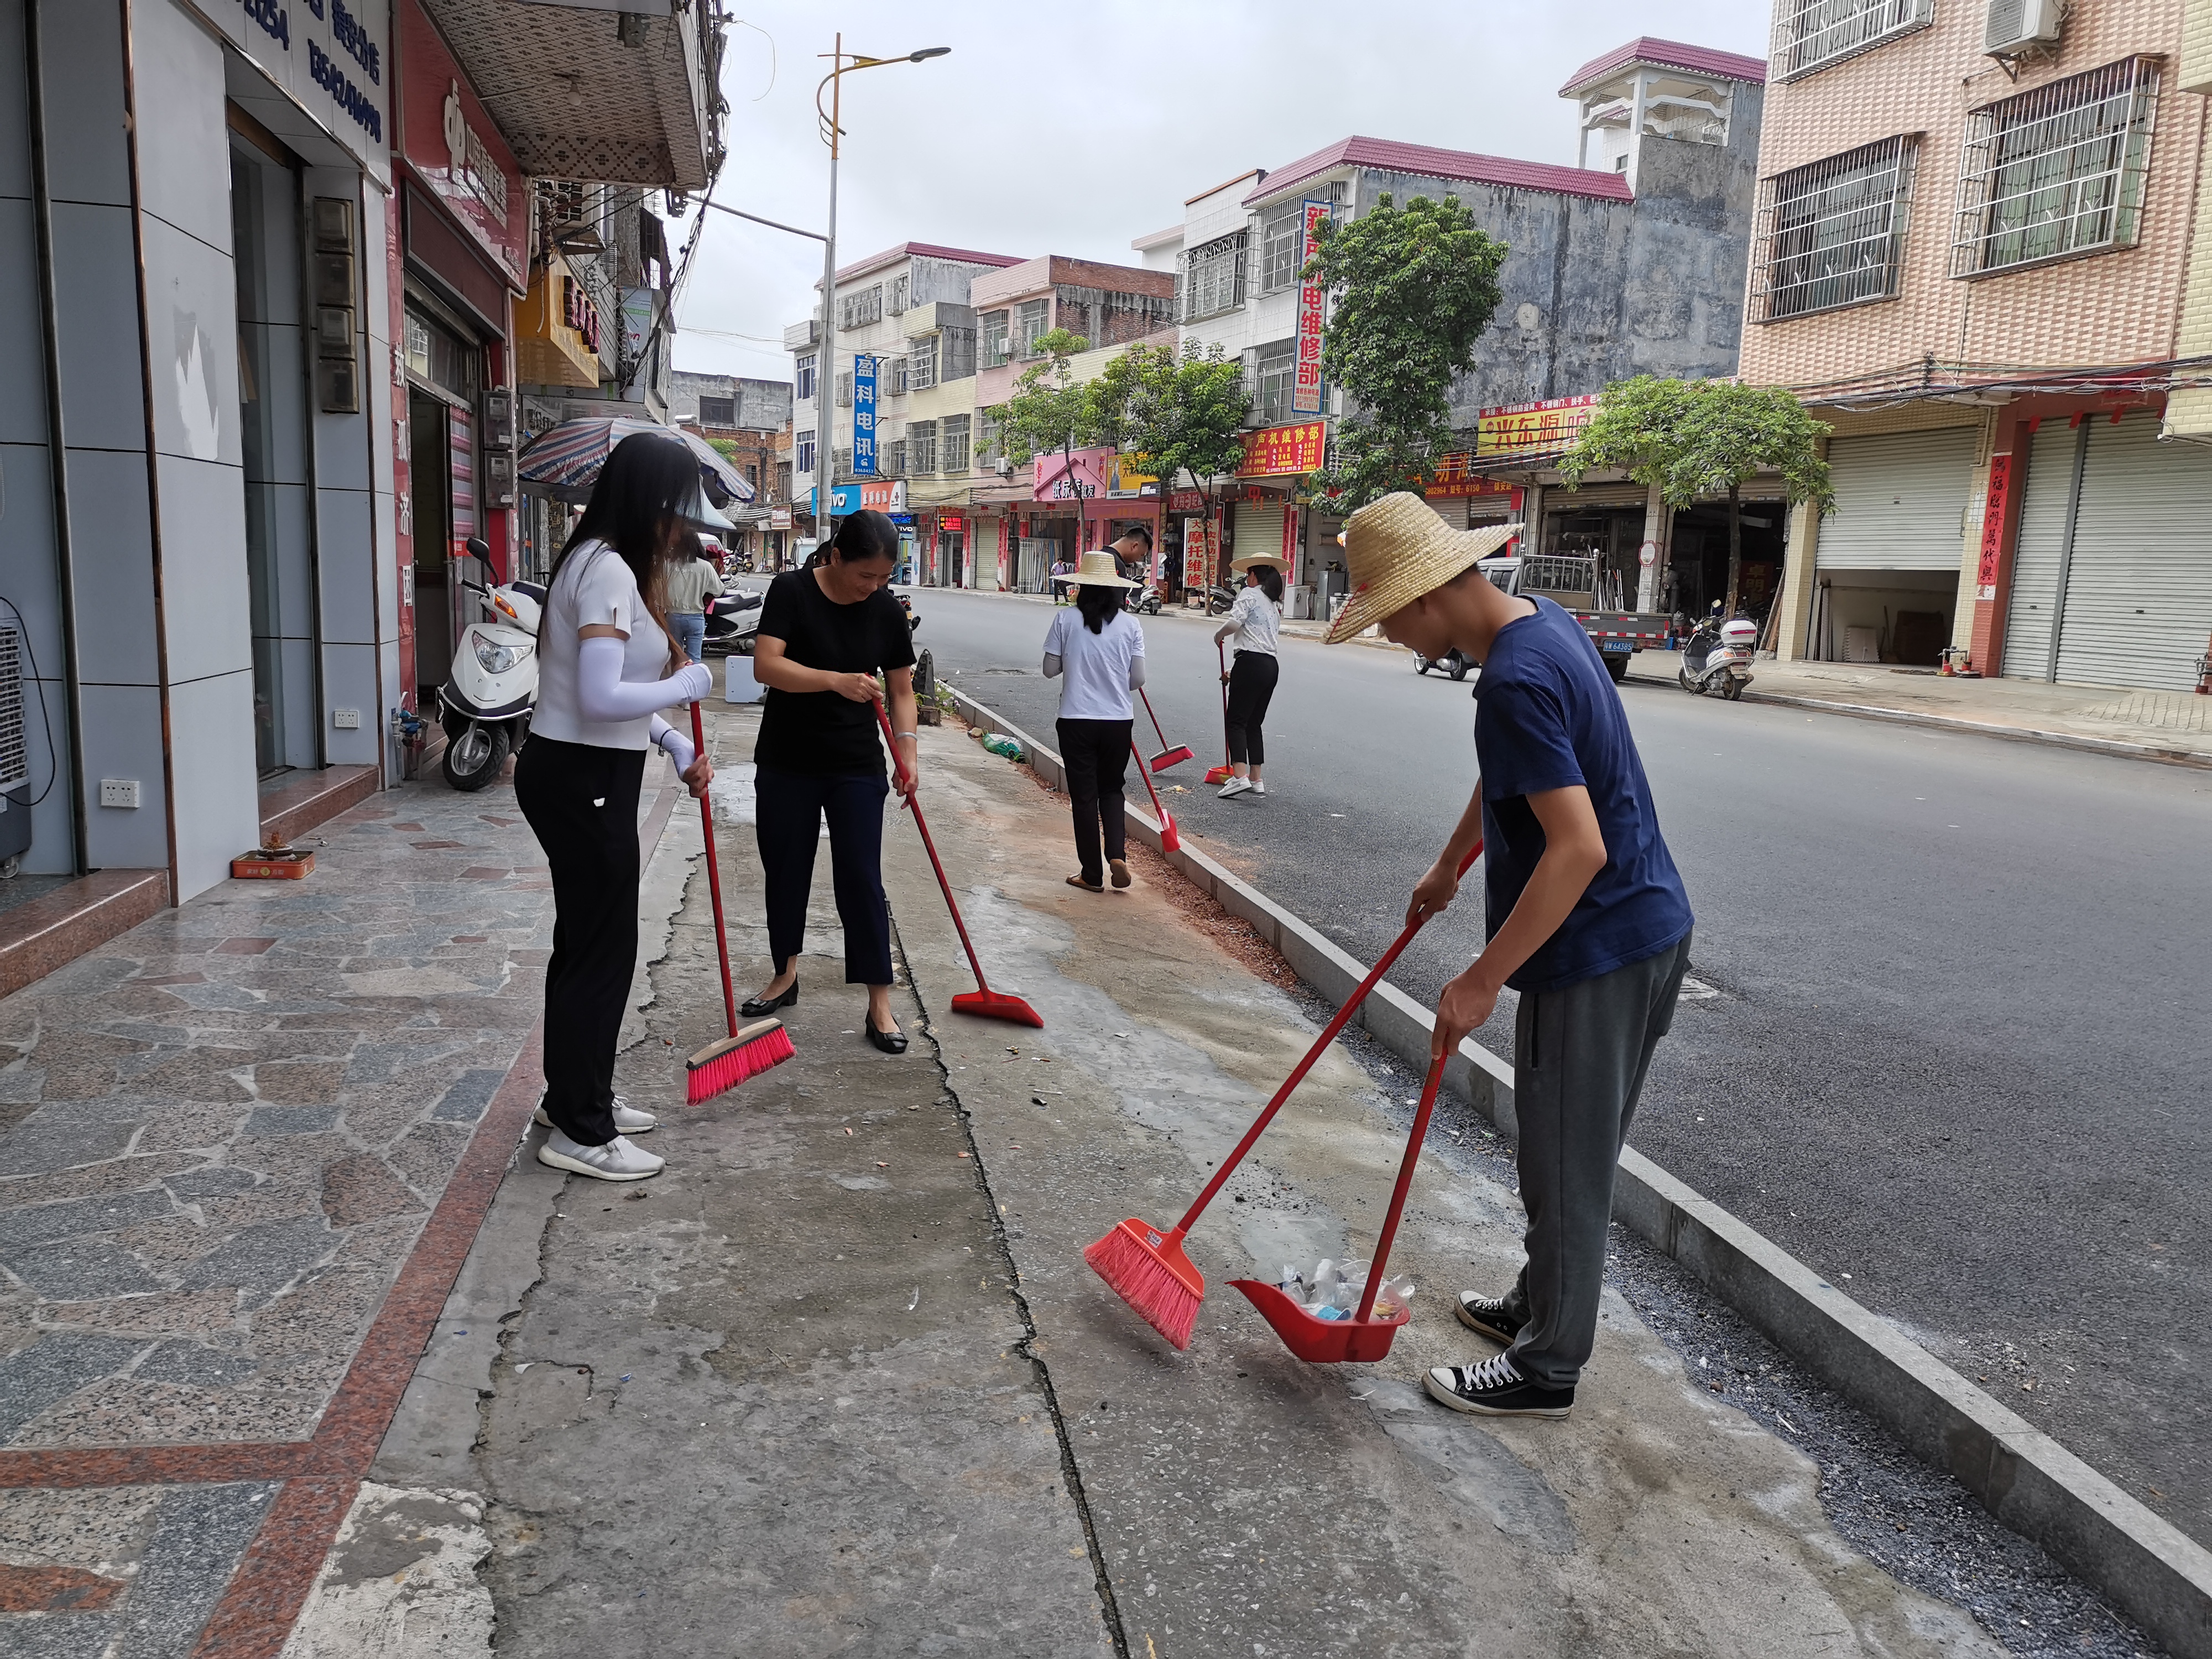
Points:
x=1071 y=129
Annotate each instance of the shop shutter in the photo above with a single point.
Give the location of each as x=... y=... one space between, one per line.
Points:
x=1558 y=498
x=2036 y=554
x=2139 y=584
x=1259 y=529
x=1901 y=501
x=1452 y=509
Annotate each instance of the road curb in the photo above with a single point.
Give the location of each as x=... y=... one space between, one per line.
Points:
x=1867 y=711
x=2144 y=1565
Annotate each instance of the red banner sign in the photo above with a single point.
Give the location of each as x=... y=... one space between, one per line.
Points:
x=1306 y=389
x=1453 y=479
x=1283 y=450
x=1993 y=518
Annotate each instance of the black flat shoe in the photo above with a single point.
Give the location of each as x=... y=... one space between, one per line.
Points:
x=892 y=1042
x=759 y=1007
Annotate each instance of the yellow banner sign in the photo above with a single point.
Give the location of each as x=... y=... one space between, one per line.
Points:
x=1541 y=428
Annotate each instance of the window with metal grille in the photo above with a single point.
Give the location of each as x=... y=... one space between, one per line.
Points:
x=896 y=303
x=952 y=443
x=1811 y=33
x=1214 y=277
x=2056 y=172
x=718 y=411
x=1036 y=322
x=990 y=437
x=895 y=459
x=858 y=310
x=1832 y=232
x=997 y=345
x=1282 y=246
x=805 y=384
x=844 y=391
x=1272 y=372
x=921 y=362
x=802 y=453
x=892 y=377
x=922 y=447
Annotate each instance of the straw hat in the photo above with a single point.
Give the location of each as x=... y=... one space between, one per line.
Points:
x=1396 y=550
x=1097 y=570
x=1275 y=562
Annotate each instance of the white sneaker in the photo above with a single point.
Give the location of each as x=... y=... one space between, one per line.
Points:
x=1258 y=787
x=629 y=1121
x=615 y=1161
x=1236 y=787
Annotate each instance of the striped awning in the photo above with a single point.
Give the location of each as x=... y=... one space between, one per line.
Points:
x=568 y=457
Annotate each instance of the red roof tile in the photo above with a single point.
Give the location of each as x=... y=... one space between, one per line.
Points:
x=1441 y=164
x=1670 y=54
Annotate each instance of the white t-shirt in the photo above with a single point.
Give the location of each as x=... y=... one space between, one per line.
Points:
x=1094 y=667
x=1258 y=621
x=594 y=587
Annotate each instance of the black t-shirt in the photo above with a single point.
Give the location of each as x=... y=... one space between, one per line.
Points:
x=821 y=732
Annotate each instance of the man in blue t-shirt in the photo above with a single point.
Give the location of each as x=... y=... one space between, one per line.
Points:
x=1587 y=922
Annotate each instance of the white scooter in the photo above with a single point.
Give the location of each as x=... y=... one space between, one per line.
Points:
x=1718 y=658
x=487 y=704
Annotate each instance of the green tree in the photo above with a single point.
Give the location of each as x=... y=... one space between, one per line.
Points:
x=1694 y=439
x=1183 y=415
x=1050 y=409
x=1411 y=290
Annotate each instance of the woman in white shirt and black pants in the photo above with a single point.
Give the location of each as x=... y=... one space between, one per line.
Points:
x=1100 y=650
x=1255 y=622
x=606 y=663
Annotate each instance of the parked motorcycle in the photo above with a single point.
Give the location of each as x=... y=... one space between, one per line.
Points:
x=1718 y=658
x=1218 y=599
x=1454 y=662
x=730 y=616
x=486 y=705
x=1147 y=603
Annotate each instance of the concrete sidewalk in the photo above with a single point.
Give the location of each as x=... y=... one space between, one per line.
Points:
x=841 y=1381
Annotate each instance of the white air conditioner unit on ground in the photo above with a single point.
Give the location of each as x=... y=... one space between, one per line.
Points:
x=2013 y=27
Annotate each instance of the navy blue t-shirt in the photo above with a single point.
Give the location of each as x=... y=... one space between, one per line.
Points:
x=1547 y=717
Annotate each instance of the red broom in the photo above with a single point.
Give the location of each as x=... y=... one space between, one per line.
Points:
x=748 y=1050
x=1171 y=839
x=1222 y=773
x=1147 y=1268
x=1171 y=754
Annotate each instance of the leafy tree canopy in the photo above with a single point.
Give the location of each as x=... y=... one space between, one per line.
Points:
x=1182 y=414
x=1050 y=409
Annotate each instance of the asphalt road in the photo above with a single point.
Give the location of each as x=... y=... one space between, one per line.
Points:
x=1955 y=1054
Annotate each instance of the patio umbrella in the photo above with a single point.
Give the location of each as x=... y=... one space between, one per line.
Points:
x=565 y=461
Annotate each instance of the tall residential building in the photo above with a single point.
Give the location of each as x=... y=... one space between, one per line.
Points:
x=750 y=420
x=1983 y=254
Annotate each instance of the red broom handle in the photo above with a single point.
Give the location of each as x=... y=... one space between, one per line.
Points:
x=1328 y=1036
x=1221 y=656
x=914 y=805
x=1156 y=733
x=1404 y=1185
x=714 y=877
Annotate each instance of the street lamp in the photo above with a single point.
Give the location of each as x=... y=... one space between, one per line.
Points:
x=825 y=379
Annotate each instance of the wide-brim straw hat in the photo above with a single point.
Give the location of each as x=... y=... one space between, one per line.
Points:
x=1097 y=570
x=1273 y=561
x=1395 y=550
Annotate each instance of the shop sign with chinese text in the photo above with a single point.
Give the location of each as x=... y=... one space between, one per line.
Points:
x=1452 y=479
x=1064 y=476
x=331 y=57
x=1531 y=429
x=1993 y=518
x=864 y=416
x=1284 y=449
x=453 y=147
x=1124 y=479
x=1306 y=387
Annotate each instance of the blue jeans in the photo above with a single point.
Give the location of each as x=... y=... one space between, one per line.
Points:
x=689 y=628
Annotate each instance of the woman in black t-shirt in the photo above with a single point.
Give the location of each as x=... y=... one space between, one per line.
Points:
x=825 y=633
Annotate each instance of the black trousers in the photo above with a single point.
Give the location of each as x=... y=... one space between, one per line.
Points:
x=1096 y=755
x=789 y=808
x=1251 y=685
x=581 y=802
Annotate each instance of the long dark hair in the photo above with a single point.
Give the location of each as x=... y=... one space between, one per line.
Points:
x=635 y=508
x=1271 y=582
x=1097 y=604
x=867 y=535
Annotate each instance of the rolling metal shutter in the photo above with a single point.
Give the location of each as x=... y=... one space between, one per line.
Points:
x=1901 y=501
x=1258 y=529
x=1452 y=509
x=2039 y=554
x=1609 y=497
x=2138 y=602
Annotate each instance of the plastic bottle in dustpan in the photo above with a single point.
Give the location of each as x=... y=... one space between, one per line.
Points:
x=1366 y=1335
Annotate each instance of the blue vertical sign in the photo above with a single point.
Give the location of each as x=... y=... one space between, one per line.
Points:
x=864 y=416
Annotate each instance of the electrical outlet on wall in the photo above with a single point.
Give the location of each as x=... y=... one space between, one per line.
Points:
x=118 y=791
x=346 y=720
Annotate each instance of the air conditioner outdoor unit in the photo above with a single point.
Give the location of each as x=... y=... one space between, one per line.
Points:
x=2012 y=27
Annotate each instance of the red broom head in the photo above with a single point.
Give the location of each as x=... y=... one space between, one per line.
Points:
x=1175 y=756
x=1170 y=837
x=1148 y=1270
x=1219 y=773
x=726 y=1064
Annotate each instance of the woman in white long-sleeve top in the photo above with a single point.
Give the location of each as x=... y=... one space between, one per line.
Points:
x=1098 y=651
x=1254 y=623
x=606 y=664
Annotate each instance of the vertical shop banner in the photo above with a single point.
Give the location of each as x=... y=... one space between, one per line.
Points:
x=864 y=416
x=1197 y=553
x=1306 y=389
x=1993 y=519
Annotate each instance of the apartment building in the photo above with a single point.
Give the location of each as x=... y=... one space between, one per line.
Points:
x=1629 y=262
x=1982 y=254
x=750 y=420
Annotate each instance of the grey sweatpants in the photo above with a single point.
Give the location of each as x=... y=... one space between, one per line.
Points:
x=1580 y=1054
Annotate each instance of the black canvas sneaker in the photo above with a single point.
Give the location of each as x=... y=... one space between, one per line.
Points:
x=1489 y=1315
x=1494 y=1389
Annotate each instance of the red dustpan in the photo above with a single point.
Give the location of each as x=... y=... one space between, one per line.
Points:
x=982 y=1001
x=1362 y=1336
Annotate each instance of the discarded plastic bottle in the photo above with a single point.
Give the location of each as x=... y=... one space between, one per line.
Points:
x=999 y=744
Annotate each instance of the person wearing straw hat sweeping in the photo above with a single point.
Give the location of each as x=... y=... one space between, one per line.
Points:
x=1254 y=623
x=1097 y=651
x=1587 y=922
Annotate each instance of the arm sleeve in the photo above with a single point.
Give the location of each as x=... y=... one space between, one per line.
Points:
x=714 y=581
x=775 y=612
x=672 y=743
x=1524 y=742
x=897 y=638
x=602 y=693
